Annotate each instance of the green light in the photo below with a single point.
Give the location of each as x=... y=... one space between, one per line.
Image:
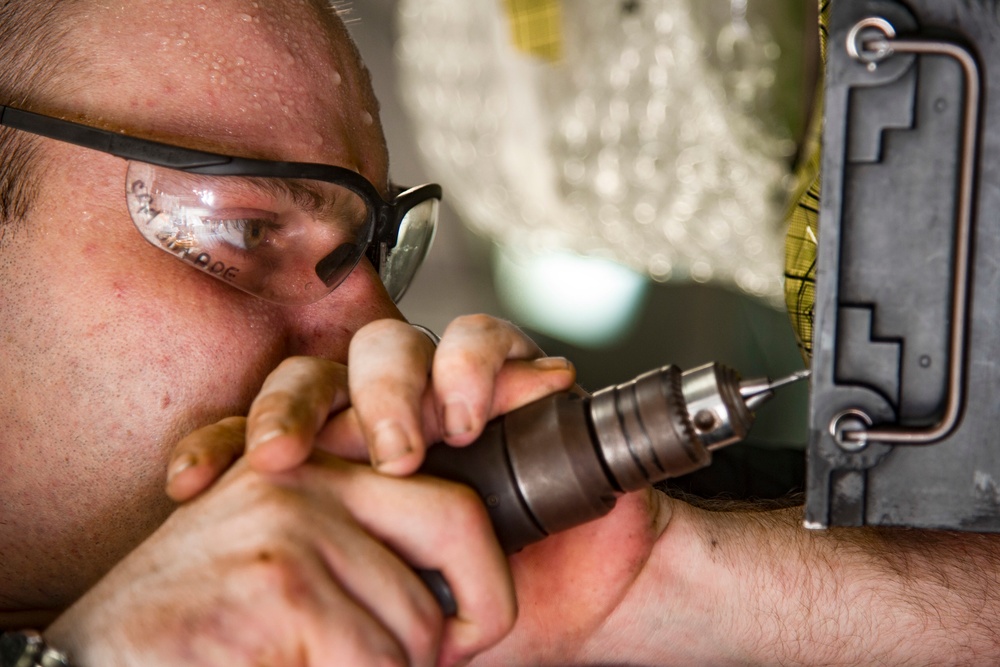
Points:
x=586 y=301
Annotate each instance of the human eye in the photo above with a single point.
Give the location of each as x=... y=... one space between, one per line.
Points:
x=241 y=231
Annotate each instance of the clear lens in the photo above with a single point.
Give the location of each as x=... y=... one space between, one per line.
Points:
x=416 y=234
x=291 y=241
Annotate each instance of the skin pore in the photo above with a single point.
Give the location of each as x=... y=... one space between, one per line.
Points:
x=116 y=348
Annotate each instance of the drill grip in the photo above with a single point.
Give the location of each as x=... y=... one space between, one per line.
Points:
x=485 y=466
x=536 y=469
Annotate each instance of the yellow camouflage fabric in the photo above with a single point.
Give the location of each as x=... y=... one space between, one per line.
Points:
x=536 y=27
x=803 y=220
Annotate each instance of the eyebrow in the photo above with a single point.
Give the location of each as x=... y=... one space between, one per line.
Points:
x=323 y=203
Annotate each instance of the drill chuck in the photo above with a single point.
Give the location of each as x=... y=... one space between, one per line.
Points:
x=564 y=460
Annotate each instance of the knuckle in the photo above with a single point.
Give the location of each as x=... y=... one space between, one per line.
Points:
x=291 y=364
x=458 y=359
x=276 y=575
x=465 y=511
x=379 y=329
x=274 y=568
x=232 y=423
x=388 y=340
x=479 y=322
x=272 y=402
x=296 y=379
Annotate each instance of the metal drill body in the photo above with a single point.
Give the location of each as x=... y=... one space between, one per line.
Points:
x=564 y=460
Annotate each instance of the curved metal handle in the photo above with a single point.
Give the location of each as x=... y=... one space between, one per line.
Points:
x=871 y=41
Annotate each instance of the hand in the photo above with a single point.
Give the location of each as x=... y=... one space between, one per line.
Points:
x=308 y=567
x=405 y=394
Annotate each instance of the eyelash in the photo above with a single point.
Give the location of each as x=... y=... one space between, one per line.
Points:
x=243 y=225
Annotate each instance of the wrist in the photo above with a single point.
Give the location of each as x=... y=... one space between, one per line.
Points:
x=759 y=573
x=683 y=607
x=730 y=584
x=709 y=609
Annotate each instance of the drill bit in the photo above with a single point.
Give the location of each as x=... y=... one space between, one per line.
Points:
x=757 y=392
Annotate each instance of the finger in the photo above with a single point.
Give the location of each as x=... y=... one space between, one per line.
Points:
x=386 y=587
x=450 y=532
x=389 y=362
x=342 y=436
x=201 y=457
x=343 y=632
x=293 y=404
x=518 y=383
x=521 y=382
x=310 y=603
x=468 y=360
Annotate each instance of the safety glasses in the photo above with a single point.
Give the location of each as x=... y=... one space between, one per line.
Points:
x=288 y=232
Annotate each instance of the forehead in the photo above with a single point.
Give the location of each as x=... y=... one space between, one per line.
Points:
x=275 y=79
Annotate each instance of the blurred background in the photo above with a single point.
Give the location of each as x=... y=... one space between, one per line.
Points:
x=615 y=175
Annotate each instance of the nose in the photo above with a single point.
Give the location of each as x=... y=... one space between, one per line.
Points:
x=325 y=328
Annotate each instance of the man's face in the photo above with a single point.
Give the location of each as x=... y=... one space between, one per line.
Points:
x=111 y=349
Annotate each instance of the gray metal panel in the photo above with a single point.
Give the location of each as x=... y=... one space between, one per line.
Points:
x=883 y=306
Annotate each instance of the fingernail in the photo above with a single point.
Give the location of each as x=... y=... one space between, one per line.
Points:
x=271 y=433
x=457 y=418
x=552 y=364
x=179 y=465
x=390 y=443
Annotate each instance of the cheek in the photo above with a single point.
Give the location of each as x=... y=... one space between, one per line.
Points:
x=189 y=349
x=110 y=355
x=151 y=345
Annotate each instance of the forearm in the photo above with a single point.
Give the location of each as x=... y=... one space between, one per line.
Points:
x=754 y=587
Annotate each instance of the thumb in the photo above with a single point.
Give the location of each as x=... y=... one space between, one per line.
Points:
x=201 y=457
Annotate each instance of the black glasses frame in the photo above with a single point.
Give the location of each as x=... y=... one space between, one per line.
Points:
x=388 y=214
